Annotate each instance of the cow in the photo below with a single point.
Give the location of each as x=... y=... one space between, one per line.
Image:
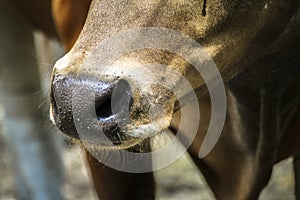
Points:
x=254 y=44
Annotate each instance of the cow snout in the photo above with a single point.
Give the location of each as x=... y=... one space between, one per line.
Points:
x=90 y=104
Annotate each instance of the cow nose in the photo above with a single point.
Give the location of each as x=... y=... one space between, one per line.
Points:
x=108 y=102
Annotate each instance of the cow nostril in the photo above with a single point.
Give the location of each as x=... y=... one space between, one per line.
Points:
x=103 y=110
x=115 y=103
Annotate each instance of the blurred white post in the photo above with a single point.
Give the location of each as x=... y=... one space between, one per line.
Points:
x=36 y=161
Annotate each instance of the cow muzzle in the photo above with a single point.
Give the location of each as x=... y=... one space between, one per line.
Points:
x=107 y=113
x=78 y=104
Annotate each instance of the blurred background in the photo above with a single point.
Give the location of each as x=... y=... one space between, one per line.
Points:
x=179 y=181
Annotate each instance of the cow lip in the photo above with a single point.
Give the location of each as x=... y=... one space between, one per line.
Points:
x=151 y=129
x=130 y=144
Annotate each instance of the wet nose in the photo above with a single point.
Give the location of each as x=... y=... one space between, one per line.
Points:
x=108 y=102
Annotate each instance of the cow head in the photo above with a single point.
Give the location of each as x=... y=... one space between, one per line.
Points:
x=125 y=98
